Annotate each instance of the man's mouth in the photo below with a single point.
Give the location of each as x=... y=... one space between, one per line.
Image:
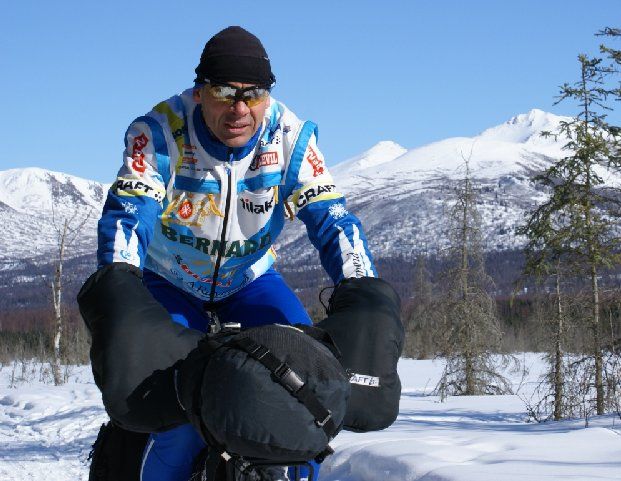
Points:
x=235 y=126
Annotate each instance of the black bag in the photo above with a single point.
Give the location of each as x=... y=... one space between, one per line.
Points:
x=364 y=321
x=116 y=454
x=213 y=466
x=272 y=392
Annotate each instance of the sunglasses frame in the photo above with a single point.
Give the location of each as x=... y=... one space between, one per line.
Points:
x=239 y=94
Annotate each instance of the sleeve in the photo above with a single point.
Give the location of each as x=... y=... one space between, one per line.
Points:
x=335 y=232
x=135 y=199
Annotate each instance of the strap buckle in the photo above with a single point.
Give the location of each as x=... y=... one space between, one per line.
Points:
x=288 y=378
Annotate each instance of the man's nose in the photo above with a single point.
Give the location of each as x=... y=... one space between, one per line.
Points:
x=240 y=108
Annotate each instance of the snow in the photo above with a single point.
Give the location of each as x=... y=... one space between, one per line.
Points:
x=505 y=149
x=35 y=202
x=526 y=128
x=381 y=153
x=496 y=151
x=46 y=433
x=475 y=438
x=29 y=190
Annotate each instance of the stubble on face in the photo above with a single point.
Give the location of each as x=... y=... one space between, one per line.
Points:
x=233 y=125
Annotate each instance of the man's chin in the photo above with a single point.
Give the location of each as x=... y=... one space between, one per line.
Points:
x=235 y=142
x=235 y=139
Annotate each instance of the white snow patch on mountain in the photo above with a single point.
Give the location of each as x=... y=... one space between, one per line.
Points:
x=381 y=153
x=34 y=204
x=526 y=128
x=504 y=149
x=34 y=189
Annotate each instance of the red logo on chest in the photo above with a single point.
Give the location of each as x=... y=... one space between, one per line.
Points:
x=261 y=160
x=185 y=209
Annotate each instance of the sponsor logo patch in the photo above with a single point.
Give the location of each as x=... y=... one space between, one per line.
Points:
x=307 y=195
x=188 y=154
x=190 y=212
x=364 y=380
x=315 y=162
x=131 y=187
x=256 y=208
x=204 y=278
x=179 y=132
x=358 y=264
x=129 y=207
x=186 y=209
x=337 y=211
x=238 y=248
x=263 y=160
x=140 y=143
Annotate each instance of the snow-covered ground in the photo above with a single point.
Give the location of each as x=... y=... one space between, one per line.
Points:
x=46 y=433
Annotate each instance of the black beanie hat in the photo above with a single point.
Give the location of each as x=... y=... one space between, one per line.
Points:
x=235 y=55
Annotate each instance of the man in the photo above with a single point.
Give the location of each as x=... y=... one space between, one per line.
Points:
x=208 y=178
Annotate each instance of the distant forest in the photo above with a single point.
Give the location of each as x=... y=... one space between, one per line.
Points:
x=26 y=312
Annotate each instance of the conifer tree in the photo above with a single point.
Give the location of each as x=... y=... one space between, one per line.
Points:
x=548 y=241
x=612 y=53
x=573 y=225
x=614 y=91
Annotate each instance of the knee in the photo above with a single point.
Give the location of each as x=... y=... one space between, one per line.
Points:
x=178 y=446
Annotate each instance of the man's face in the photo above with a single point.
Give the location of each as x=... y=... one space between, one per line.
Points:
x=233 y=124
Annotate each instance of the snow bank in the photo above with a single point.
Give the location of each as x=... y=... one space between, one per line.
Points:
x=46 y=433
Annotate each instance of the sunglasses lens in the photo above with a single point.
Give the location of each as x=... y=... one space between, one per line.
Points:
x=255 y=96
x=223 y=93
x=251 y=96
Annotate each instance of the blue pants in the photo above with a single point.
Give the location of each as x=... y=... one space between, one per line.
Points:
x=169 y=456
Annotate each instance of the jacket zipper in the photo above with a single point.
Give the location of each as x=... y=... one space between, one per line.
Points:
x=222 y=246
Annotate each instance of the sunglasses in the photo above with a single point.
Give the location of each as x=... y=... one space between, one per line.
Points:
x=230 y=95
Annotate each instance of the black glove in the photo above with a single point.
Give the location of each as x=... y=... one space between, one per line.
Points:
x=365 y=323
x=135 y=346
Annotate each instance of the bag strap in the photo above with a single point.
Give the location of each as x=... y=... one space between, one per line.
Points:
x=288 y=378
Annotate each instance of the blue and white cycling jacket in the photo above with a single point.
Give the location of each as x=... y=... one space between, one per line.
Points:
x=204 y=216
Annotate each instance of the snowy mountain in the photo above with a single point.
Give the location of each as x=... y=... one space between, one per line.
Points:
x=34 y=204
x=399 y=194
x=402 y=195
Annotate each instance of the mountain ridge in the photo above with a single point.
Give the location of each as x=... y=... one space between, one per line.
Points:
x=398 y=193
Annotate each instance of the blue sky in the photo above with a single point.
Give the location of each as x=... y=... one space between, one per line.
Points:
x=73 y=74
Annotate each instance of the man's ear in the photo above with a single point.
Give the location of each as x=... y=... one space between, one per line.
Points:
x=196 y=95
